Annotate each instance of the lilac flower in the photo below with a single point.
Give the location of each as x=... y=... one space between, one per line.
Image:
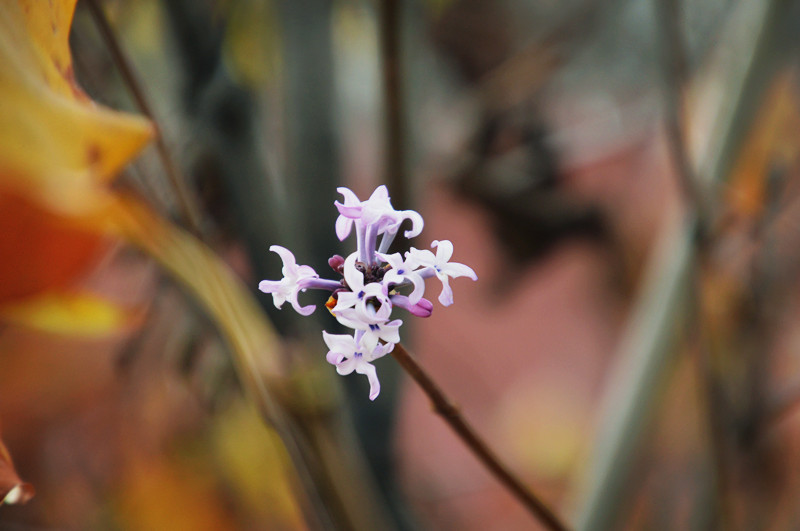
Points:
x=369 y=282
x=401 y=271
x=374 y=330
x=441 y=266
x=363 y=296
x=373 y=217
x=293 y=281
x=350 y=354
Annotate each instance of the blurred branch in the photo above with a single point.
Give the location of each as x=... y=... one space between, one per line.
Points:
x=445 y=408
x=187 y=204
x=674 y=65
x=648 y=338
x=675 y=73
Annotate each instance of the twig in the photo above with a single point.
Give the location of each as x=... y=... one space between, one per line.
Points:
x=186 y=202
x=675 y=76
x=450 y=413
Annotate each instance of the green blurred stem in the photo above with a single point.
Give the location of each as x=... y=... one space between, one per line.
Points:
x=445 y=408
x=647 y=343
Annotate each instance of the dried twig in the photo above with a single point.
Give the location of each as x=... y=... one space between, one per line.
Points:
x=450 y=413
x=186 y=202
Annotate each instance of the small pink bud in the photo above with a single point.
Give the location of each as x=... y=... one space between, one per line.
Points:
x=337 y=263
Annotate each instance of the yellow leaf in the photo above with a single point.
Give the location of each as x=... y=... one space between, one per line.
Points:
x=251 y=458
x=67 y=313
x=56 y=145
x=773 y=138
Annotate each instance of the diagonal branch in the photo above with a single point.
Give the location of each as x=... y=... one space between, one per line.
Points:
x=450 y=413
x=186 y=202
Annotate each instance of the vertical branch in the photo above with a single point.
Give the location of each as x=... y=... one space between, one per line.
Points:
x=450 y=413
x=675 y=70
x=186 y=202
x=394 y=131
x=675 y=73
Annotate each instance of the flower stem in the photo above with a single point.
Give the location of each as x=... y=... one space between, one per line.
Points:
x=450 y=413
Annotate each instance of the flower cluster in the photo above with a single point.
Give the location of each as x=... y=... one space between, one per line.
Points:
x=372 y=282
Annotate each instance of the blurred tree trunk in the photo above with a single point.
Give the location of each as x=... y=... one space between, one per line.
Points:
x=312 y=163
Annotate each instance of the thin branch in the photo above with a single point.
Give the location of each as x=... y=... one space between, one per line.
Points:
x=186 y=202
x=450 y=413
x=674 y=63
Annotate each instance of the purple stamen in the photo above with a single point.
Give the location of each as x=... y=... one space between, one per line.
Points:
x=319 y=283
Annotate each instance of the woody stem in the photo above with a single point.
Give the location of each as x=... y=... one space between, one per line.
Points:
x=450 y=413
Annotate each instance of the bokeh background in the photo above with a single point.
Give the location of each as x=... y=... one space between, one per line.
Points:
x=621 y=174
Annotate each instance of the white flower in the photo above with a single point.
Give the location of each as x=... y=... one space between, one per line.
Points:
x=362 y=296
x=349 y=354
x=373 y=217
x=400 y=272
x=371 y=282
x=374 y=329
x=295 y=279
x=441 y=266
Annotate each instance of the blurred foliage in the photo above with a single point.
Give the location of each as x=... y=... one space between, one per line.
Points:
x=545 y=115
x=58 y=151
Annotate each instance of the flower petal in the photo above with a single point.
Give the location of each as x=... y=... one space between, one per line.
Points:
x=286 y=256
x=444 y=250
x=370 y=340
x=354 y=277
x=390 y=332
x=344 y=226
x=455 y=270
x=347 y=366
x=345 y=299
x=302 y=310
x=417 y=223
x=269 y=286
x=341 y=343
x=372 y=375
x=420 y=257
x=446 y=296
x=334 y=358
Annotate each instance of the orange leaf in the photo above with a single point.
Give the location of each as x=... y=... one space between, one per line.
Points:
x=41 y=250
x=56 y=145
x=58 y=150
